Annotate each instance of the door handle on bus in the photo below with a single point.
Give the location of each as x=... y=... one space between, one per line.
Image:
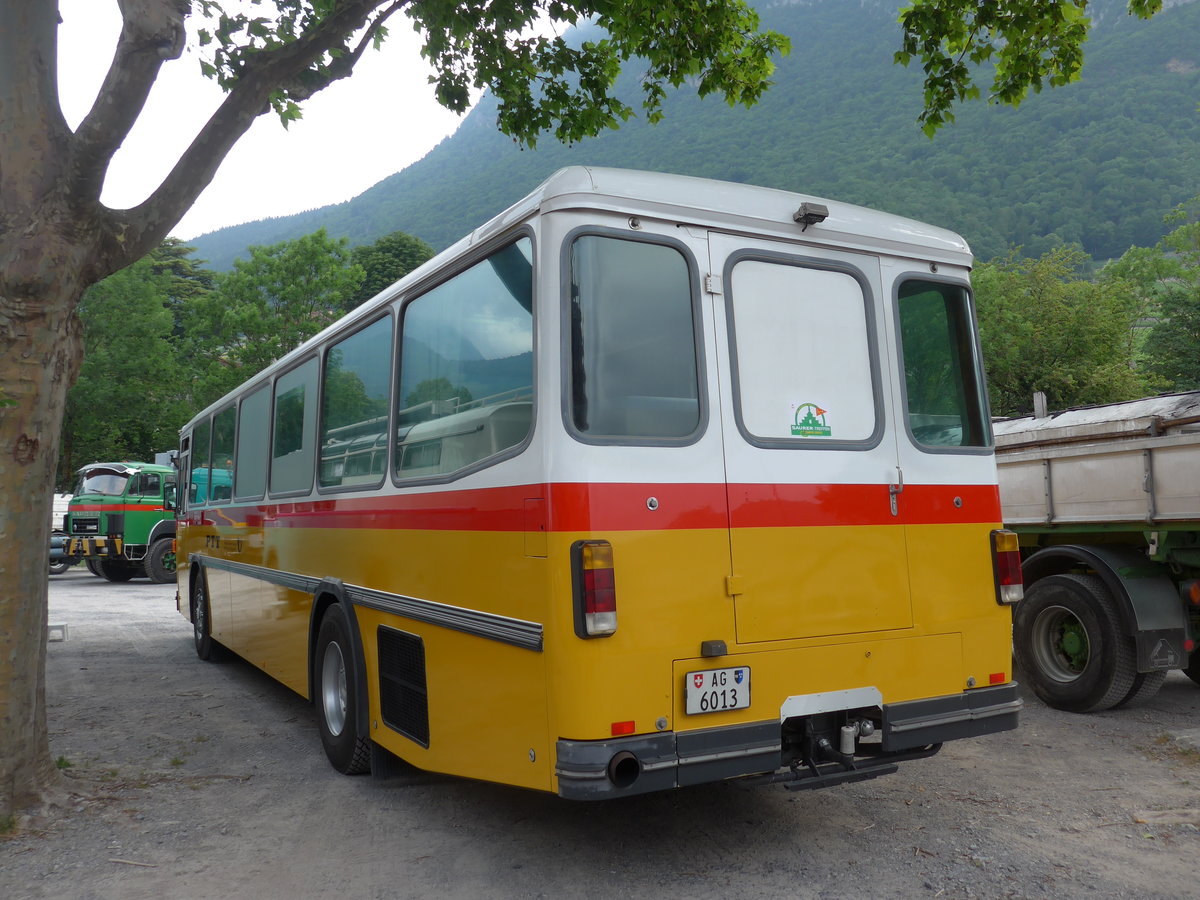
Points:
x=895 y=490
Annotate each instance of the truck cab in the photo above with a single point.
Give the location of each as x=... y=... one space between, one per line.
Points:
x=121 y=520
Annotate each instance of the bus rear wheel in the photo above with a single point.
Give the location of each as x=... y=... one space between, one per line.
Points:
x=1070 y=645
x=336 y=695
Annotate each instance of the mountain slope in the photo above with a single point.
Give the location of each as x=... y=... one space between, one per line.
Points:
x=1097 y=162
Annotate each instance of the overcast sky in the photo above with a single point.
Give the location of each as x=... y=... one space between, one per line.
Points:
x=353 y=134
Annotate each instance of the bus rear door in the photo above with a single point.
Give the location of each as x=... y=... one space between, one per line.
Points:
x=811 y=458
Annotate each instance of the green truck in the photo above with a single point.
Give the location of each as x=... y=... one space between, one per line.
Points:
x=1106 y=502
x=121 y=520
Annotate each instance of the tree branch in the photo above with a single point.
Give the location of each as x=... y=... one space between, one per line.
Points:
x=33 y=139
x=152 y=32
x=131 y=233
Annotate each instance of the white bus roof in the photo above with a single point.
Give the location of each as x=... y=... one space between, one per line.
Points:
x=737 y=207
x=727 y=206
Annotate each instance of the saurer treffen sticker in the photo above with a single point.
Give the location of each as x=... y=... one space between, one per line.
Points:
x=809 y=421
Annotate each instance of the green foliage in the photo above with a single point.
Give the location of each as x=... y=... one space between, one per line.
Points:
x=1026 y=42
x=280 y=297
x=550 y=84
x=542 y=83
x=1169 y=277
x=1044 y=327
x=386 y=261
x=126 y=402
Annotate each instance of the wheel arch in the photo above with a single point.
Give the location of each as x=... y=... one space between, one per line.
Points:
x=165 y=528
x=1147 y=599
x=332 y=592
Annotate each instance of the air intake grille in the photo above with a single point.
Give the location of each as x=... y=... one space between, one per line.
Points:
x=402 y=693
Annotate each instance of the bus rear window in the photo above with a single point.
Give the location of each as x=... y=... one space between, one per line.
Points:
x=633 y=364
x=942 y=382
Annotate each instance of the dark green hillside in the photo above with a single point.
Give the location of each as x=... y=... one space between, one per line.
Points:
x=1096 y=163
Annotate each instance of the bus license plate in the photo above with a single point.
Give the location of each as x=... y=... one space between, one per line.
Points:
x=715 y=690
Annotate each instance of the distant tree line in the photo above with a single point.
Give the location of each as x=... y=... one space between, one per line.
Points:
x=166 y=337
x=1055 y=324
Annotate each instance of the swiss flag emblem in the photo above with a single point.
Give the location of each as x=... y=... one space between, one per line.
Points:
x=698 y=679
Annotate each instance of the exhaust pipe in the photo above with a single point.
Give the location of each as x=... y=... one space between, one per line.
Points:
x=624 y=769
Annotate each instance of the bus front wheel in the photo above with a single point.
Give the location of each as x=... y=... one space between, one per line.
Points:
x=336 y=697
x=206 y=646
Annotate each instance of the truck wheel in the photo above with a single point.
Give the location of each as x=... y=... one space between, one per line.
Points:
x=93 y=566
x=1145 y=686
x=57 y=568
x=1070 y=645
x=1193 y=667
x=117 y=570
x=336 y=697
x=160 y=561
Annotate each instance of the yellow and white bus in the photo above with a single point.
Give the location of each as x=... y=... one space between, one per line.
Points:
x=648 y=482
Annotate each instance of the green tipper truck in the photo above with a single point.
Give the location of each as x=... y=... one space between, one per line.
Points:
x=121 y=521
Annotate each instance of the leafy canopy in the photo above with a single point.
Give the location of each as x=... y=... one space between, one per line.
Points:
x=1045 y=327
x=1027 y=42
x=543 y=83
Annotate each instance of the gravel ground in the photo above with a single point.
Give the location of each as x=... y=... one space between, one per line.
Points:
x=188 y=779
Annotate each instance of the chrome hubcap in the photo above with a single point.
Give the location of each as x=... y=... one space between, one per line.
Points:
x=333 y=688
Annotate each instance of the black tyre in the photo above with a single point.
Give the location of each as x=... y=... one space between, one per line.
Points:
x=1145 y=686
x=93 y=566
x=118 y=570
x=336 y=696
x=201 y=611
x=160 y=561
x=1070 y=645
x=1193 y=667
x=60 y=566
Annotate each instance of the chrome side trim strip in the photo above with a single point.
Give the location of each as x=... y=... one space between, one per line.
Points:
x=506 y=630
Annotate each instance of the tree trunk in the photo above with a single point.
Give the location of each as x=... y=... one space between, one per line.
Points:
x=40 y=350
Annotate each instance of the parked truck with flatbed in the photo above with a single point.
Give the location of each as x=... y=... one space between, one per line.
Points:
x=121 y=520
x=1106 y=503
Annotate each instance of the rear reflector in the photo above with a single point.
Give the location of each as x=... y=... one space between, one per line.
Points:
x=1006 y=564
x=595 y=589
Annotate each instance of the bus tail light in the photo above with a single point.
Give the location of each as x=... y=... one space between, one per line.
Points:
x=595 y=592
x=1006 y=563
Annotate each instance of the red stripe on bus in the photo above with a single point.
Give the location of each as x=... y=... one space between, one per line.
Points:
x=595 y=507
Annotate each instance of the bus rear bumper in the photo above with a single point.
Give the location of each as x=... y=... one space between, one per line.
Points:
x=760 y=751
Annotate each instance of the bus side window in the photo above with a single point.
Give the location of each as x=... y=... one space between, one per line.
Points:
x=198 y=477
x=221 y=473
x=354 y=407
x=253 y=435
x=294 y=430
x=465 y=390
